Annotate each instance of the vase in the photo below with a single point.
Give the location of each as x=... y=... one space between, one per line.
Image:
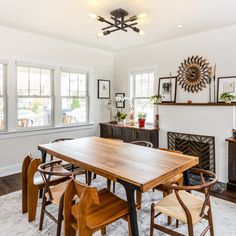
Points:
x=122 y=122
x=141 y=123
x=227 y=101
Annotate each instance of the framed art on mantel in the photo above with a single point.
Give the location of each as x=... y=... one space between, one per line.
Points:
x=104 y=89
x=167 y=88
x=226 y=85
x=120 y=100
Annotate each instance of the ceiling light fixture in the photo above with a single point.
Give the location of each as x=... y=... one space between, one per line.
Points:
x=119 y=22
x=179 y=26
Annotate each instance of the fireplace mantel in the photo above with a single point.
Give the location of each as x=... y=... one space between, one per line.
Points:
x=195 y=104
x=200 y=119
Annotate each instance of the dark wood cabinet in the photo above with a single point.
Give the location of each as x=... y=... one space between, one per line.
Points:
x=231 y=185
x=130 y=133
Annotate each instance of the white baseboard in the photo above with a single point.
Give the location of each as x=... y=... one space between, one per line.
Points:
x=10 y=170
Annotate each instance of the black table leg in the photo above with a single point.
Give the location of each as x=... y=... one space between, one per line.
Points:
x=186 y=178
x=130 y=190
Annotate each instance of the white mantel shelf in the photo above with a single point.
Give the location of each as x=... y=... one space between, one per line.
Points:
x=195 y=104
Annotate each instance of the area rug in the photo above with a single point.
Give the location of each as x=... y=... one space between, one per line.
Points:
x=12 y=222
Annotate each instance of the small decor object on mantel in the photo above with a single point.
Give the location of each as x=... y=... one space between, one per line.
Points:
x=227 y=97
x=234 y=133
x=121 y=117
x=141 y=119
x=104 y=89
x=226 y=89
x=156 y=98
x=167 y=88
x=194 y=74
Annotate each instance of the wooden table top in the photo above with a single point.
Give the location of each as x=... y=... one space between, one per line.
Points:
x=141 y=166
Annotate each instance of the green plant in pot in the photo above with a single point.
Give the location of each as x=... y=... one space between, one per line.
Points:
x=156 y=98
x=227 y=97
x=141 y=119
x=121 y=117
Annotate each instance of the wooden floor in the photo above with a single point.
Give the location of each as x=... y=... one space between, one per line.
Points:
x=13 y=183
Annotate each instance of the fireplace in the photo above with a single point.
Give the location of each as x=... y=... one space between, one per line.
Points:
x=195 y=145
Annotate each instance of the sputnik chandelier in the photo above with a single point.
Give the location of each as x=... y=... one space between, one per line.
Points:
x=120 y=21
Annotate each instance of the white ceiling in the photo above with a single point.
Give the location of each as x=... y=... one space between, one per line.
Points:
x=68 y=19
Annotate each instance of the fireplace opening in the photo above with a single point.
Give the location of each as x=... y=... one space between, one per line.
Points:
x=195 y=145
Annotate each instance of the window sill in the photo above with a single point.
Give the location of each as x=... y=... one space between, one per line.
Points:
x=41 y=131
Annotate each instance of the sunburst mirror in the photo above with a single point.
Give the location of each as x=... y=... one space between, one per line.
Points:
x=194 y=74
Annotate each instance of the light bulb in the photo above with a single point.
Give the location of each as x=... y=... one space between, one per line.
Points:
x=142 y=15
x=100 y=34
x=141 y=32
x=92 y=15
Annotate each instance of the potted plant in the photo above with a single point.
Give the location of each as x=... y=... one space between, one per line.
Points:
x=121 y=117
x=227 y=97
x=156 y=98
x=141 y=119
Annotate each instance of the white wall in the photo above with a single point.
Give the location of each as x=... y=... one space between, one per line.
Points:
x=218 y=47
x=17 y=45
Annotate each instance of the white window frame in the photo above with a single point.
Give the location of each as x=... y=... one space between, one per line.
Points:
x=132 y=74
x=74 y=71
x=41 y=67
x=4 y=95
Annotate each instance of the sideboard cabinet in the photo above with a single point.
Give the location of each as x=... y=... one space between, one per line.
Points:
x=130 y=133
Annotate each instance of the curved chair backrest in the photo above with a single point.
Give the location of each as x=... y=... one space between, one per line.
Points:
x=49 y=169
x=143 y=143
x=88 y=198
x=61 y=140
x=208 y=179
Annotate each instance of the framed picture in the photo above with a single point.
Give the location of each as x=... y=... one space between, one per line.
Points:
x=120 y=102
x=104 y=89
x=167 y=88
x=226 y=85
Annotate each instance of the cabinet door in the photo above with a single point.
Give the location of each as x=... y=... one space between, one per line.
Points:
x=232 y=162
x=117 y=133
x=142 y=135
x=105 y=131
x=129 y=135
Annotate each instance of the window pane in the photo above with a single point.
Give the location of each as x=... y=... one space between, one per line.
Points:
x=45 y=82
x=73 y=84
x=151 y=85
x=74 y=110
x=138 y=85
x=34 y=112
x=145 y=85
x=22 y=80
x=1 y=113
x=65 y=87
x=144 y=105
x=82 y=85
x=1 y=79
x=34 y=82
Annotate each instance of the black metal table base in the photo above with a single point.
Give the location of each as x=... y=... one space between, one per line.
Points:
x=130 y=191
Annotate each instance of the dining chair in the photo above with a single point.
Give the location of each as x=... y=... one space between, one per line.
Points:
x=32 y=183
x=138 y=194
x=69 y=166
x=185 y=206
x=54 y=194
x=94 y=210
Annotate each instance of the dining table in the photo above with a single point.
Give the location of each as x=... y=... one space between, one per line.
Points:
x=136 y=168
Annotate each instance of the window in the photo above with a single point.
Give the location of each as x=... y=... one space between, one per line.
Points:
x=2 y=98
x=143 y=85
x=74 y=94
x=34 y=96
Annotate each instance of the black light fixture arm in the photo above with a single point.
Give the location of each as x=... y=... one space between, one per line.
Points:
x=119 y=22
